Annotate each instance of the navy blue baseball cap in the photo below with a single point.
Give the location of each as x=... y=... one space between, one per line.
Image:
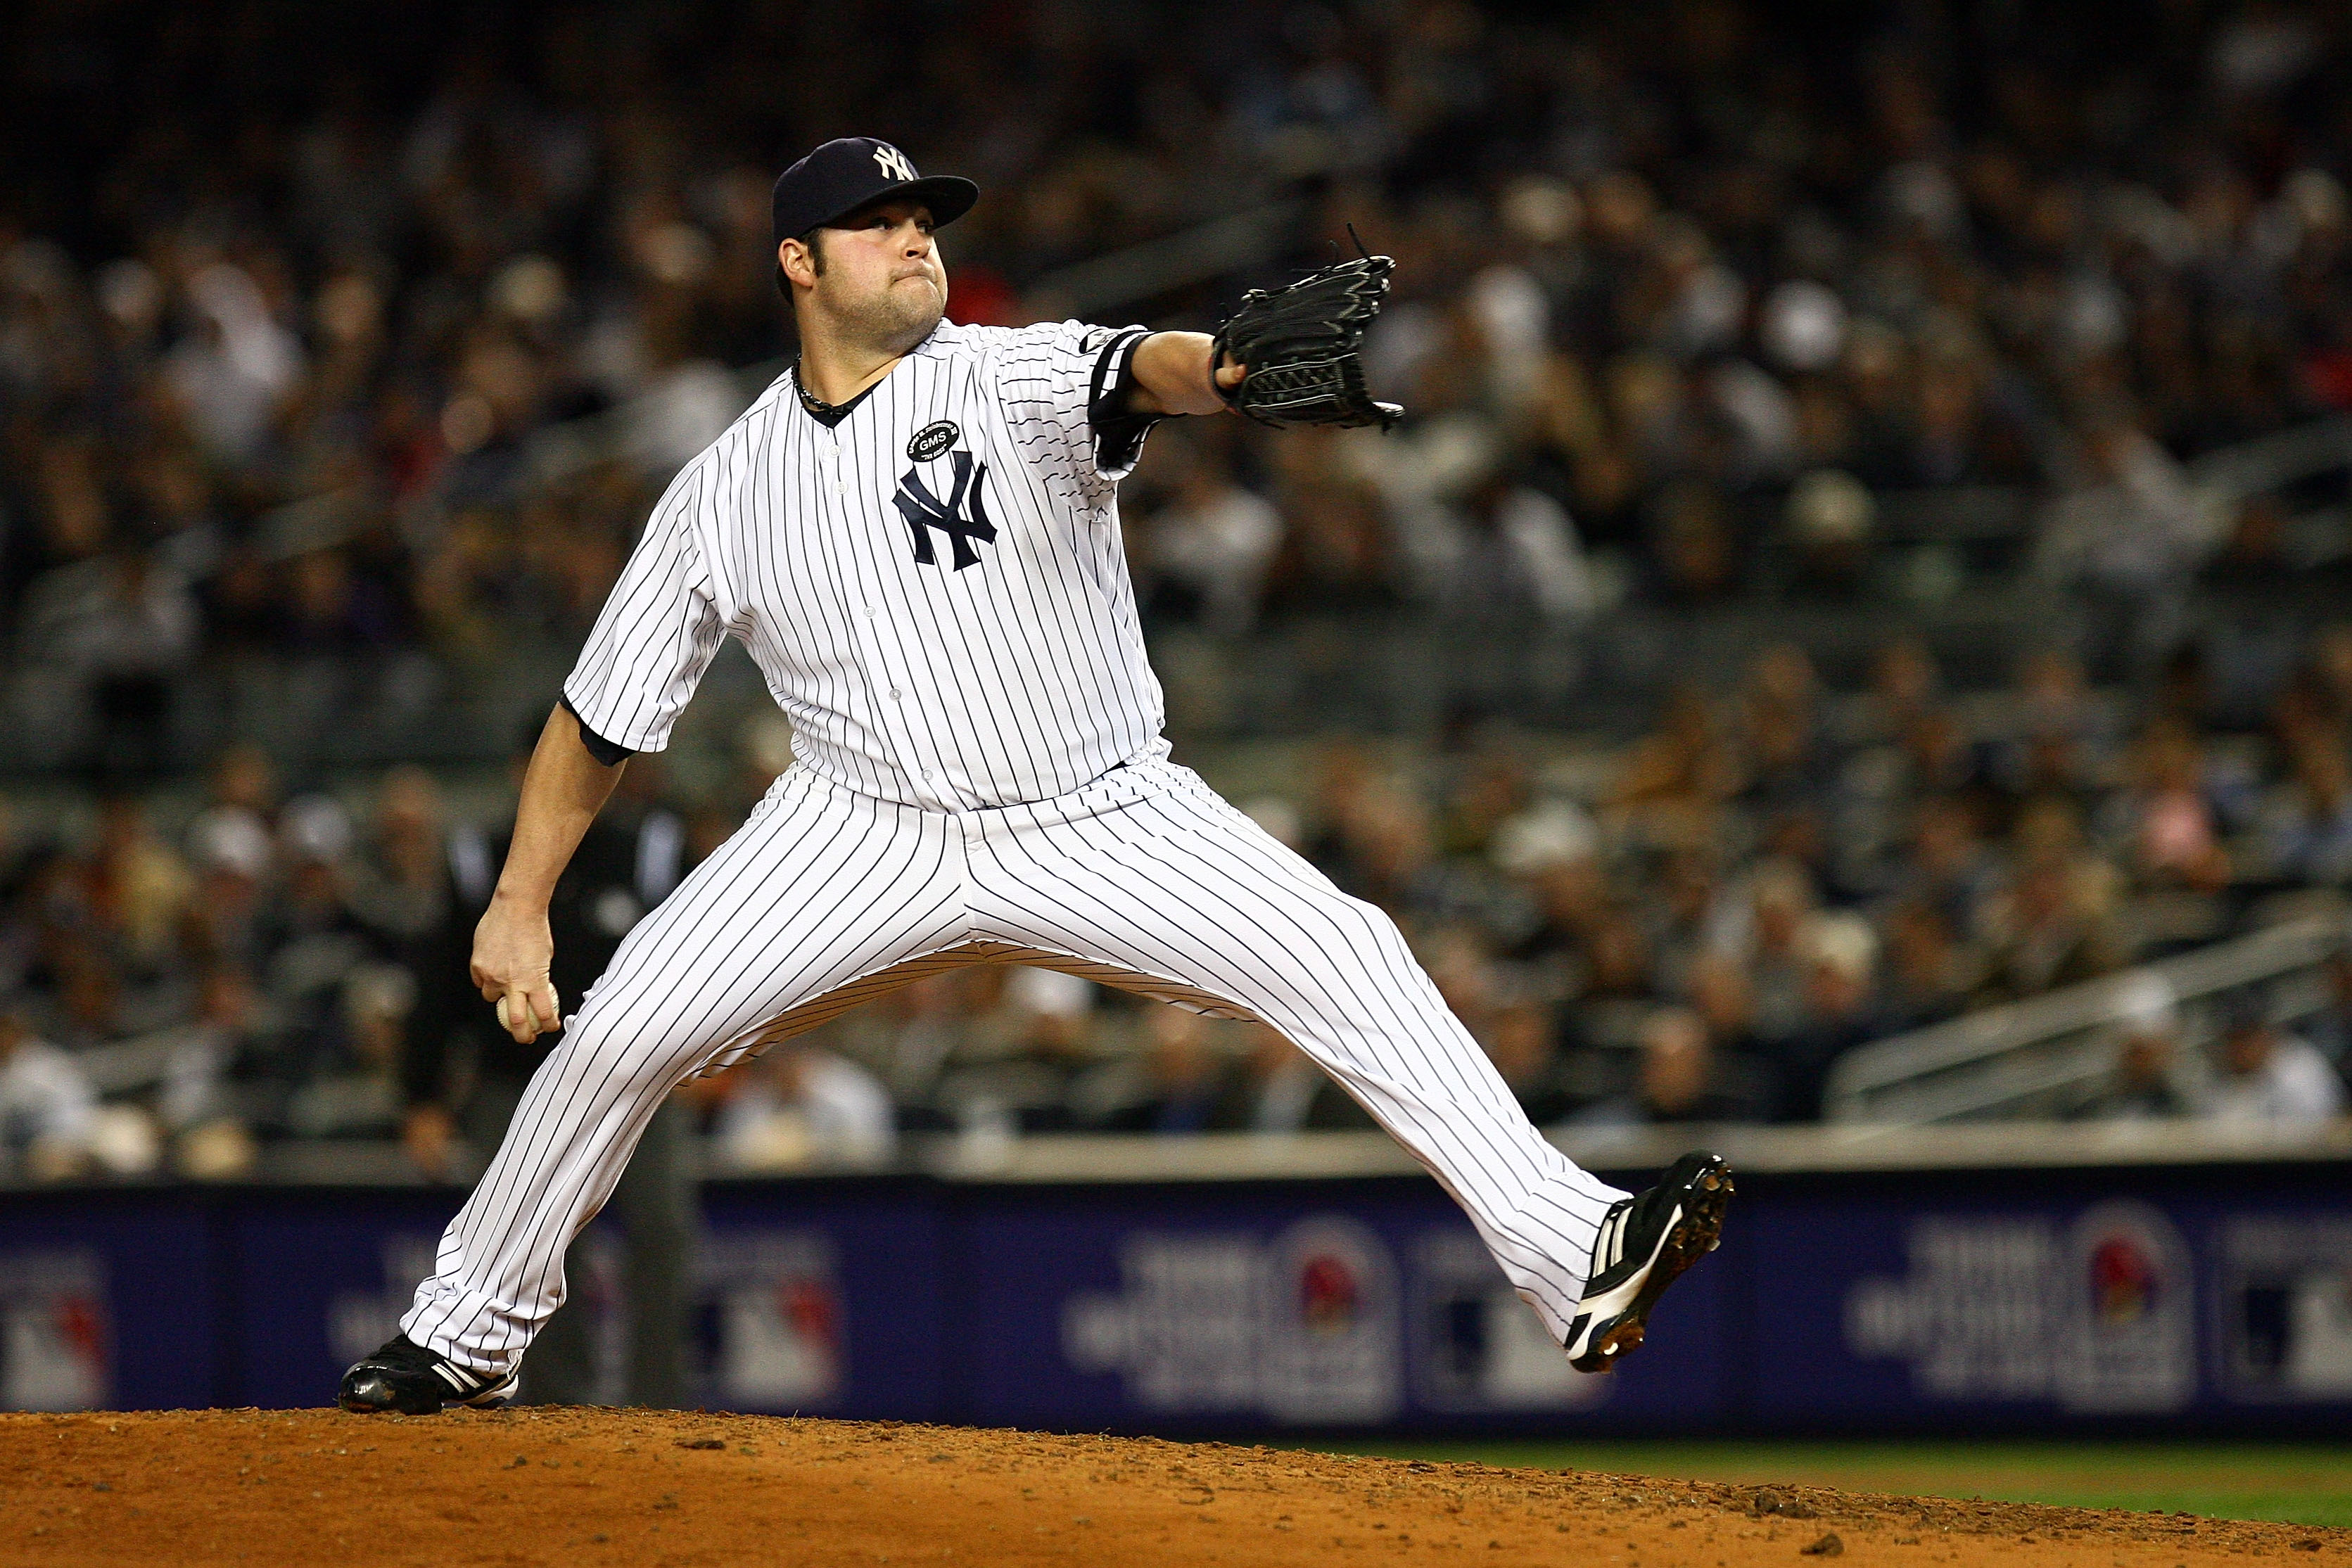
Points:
x=854 y=172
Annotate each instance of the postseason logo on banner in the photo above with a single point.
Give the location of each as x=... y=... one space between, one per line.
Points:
x=777 y=1320
x=1303 y=1326
x=55 y=1340
x=2098 y=1315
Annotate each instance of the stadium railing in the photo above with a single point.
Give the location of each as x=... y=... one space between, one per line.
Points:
x=1406 y=671
x=1258 y=1156
x=2050 y=1055
x=1214 y=1157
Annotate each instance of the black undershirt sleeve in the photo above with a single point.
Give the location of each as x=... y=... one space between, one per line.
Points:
x=1119 y=429
x=602 y=749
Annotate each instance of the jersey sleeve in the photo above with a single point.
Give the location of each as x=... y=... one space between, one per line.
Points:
x=1066 y=386
x=657 y=632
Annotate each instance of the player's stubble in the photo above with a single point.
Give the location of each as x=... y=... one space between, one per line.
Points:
x=891 y=317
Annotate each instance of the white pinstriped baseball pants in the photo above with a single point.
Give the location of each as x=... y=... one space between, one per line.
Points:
x=1144 y=878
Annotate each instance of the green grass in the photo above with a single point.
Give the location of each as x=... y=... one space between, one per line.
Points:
x=2297 y=1484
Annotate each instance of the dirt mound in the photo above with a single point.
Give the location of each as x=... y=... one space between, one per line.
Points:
x=625 y=1488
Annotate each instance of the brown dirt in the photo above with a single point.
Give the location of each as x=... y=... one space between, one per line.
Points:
x=588 y=1488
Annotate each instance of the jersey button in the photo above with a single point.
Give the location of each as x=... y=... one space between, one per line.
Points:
x=894 y=693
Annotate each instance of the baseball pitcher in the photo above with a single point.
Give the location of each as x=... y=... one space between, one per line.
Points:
x=915 y=533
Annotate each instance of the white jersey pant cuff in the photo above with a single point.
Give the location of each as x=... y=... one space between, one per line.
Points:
x=1143 y=878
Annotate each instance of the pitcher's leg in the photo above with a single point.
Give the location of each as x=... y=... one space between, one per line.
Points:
x=563 y=1355
x=655 y=1200
x=819 y=889
x=1179 y=885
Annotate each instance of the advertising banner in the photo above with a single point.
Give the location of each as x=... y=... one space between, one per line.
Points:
x=1942 y=1311
x=108 y=1301
x=1356 y=1305
x=2175 y=1300
x=321 y=1279
x=817 y=1297
x=827 y=1297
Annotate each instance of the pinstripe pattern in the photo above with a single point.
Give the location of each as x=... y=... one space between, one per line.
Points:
x=819 y=890
x=980 y=777
x=1155 y=875
x=1017 y=680
x=1143 y=879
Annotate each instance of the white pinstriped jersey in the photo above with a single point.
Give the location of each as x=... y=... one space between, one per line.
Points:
x=933 y=586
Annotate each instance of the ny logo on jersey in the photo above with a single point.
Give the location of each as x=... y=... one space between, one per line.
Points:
x=924 y=512
x=894 y=162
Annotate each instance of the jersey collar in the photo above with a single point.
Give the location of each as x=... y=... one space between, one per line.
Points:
x=827 y=413
x=832 y=413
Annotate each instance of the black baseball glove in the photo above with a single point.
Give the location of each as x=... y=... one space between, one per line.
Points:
x=1300 y=346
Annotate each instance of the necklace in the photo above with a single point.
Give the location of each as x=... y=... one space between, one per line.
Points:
x=816 y=405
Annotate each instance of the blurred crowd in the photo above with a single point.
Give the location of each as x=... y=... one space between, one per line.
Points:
x=367 y=358
x=1694 y=927
x=1682 y=297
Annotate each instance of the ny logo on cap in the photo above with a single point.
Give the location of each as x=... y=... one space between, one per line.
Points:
x=894 y=162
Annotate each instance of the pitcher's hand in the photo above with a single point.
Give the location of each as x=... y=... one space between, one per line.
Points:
x=513 y=950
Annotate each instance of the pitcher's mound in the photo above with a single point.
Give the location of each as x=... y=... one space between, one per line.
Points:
x=590 y=1488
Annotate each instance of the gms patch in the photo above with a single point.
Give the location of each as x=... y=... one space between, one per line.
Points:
x=932 y=440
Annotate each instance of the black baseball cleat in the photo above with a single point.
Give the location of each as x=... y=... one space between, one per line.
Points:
x=411 y=1379
x=1645 y=1241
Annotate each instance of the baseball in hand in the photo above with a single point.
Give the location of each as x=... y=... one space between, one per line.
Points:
x=521 y=1010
